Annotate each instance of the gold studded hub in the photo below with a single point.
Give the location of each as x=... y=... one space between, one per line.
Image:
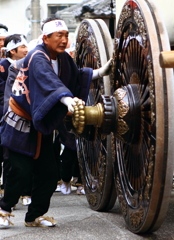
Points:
x=78 y=118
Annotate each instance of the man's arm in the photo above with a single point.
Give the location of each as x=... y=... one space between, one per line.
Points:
x=103 y=71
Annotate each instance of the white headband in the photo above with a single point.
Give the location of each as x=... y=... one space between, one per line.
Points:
x=12 y=45
x=54 y=26
x=3 y=32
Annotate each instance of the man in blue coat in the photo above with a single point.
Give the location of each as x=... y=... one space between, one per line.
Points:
x=45 y=89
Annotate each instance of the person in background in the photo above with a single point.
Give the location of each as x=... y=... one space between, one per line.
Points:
x=15 y=47
x=34 y=42
x=3 y=35
x=69 y=174
x=12 y=74
x=71 y=50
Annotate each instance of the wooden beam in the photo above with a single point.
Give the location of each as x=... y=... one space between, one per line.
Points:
x=166 y=59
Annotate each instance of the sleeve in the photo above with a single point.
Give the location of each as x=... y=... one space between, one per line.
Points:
x=84 y=81
x=12 y=73
x=46 y=90
x=77 y=80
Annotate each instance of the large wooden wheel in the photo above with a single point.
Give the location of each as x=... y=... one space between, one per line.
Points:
x=93 y=49
x=144 y=137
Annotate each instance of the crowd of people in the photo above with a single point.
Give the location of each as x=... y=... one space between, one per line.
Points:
x=38 y=86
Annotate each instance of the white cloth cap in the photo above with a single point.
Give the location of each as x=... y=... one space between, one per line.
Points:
x=12 y=45
x=3 y=32
x=54 y=26
x=33 y=43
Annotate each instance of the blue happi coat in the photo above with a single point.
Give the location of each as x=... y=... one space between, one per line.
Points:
x=38 y=90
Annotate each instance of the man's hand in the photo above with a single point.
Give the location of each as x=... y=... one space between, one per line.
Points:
x=103 y=71
x=70 y=102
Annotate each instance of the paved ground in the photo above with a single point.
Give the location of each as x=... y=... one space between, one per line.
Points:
x=76 y=221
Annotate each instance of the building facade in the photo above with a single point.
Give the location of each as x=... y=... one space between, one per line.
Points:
x=16 y=15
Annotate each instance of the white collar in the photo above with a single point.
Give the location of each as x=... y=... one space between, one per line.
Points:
x=10 y=60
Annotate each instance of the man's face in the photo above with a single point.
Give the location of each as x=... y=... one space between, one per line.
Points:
x=20 y=53
x=2 y=42
x=56 y=43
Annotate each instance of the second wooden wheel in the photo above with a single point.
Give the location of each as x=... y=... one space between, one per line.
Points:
x=93 y=49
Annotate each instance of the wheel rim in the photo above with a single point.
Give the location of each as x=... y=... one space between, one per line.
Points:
x=94 y=148
x=143 y=168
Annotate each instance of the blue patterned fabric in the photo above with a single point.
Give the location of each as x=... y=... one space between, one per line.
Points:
x=38 y=90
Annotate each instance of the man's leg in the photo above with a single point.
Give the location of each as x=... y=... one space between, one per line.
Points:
x=57 y=147
x=67 y=158
x=16 y=179
x=77 y=182
x=44 y=181
x=1 y=161
x=26 y=193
